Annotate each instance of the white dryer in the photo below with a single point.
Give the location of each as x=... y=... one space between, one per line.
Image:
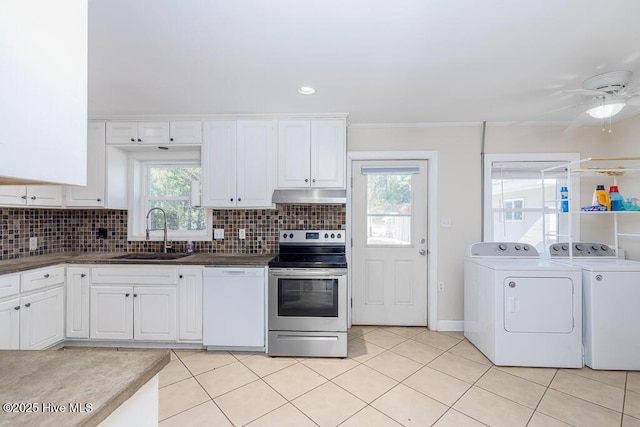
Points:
x=520 y=310
x=611 y=318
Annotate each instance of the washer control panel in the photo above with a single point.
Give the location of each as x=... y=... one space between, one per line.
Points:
x=581 y=250
x=503 y=249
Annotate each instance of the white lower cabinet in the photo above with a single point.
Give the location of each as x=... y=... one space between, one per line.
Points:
x=133 y=312
x=42 y=319
x=190 y=304
x=10 y=324
x=77 y=302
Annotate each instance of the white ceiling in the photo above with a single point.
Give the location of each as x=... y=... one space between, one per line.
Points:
x=393 y=61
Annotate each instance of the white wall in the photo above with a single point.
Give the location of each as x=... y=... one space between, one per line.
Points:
x=459 y=193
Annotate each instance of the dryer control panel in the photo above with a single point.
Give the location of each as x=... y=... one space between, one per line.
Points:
x=581 y=250
x=502 y=249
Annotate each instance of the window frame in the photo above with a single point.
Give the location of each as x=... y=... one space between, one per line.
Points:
x=139 y=166
x=487 y=194
x=513 y=210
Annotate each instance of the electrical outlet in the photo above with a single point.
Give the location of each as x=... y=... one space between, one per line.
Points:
x=33 y=243
x=218 y=233
x=441 y=286
x=241 y=233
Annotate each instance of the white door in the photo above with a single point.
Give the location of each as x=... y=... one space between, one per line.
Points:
x=256 y=164
x=91 y=194
x=10 y=324
x=77 y=302
x=42 y=319
x=190 y=304
x=111 y=312
x=389 y=253
x=154 y=313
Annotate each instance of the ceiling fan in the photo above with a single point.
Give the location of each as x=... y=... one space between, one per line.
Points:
x=609 y=94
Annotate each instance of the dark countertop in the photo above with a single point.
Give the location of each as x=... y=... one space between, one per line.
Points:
x=202 y=259
x=103 y=378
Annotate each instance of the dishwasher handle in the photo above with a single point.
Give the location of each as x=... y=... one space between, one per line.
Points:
x=233 y=272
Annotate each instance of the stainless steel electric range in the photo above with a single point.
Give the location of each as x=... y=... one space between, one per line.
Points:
x=307 y=295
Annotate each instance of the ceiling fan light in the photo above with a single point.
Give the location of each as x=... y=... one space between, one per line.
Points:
x=607 y=110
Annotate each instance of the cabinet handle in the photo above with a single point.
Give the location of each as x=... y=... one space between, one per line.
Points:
x=239 y=199
x=99 y=200
x=33 y=197
x=83 y=275
x=139 y=140
x=231 y=200
x=171 y=139
x=133 y=140
x=181 y=276
x=28 y=304
x=306 y=180
x=46 y=276
x=16 y=308
x=135 y=295
x=24 y=197
x=313 y=180
x=126 y=295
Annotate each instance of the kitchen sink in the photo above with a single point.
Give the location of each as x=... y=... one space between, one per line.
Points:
x=151 y=256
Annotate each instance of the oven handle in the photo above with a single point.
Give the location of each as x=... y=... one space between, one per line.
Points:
x=310 y=272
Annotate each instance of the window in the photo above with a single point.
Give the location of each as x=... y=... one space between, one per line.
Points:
x=512 y=210
x=509 y=180
x=167 y=184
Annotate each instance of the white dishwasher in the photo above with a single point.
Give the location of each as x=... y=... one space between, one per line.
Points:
x=233 y=309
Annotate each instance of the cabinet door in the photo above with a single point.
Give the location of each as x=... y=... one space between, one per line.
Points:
x=185 y=132
x=10 y=324
x=219 y=164
x=111 y=311
x=44 y=195
x=42 y=319
x=190 y=304
x=294 y=153
x=13 y=195
x=328 y=153
x=153 y=133
x=92 y=194
x=122 y=132
x=77 y=302
x=154 y=313
x=256 y=164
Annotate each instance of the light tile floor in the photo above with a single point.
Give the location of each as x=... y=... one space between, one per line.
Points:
x=393 y=376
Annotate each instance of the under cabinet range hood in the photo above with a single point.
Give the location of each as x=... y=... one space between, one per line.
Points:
x=300 y=196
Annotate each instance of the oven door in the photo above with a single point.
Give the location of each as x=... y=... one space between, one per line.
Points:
x=307 y=299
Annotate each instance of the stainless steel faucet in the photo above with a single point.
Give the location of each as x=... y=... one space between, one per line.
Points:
x=164 y=216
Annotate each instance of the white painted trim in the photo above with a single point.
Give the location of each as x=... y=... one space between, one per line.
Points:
x=451 y=124
x=432 y=218
x=451 y=325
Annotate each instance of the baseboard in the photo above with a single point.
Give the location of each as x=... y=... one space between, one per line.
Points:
x=451 y=325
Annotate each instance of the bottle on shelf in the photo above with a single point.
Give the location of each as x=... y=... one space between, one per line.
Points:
x=617 y=201
x=601 y=197
x=564 y=199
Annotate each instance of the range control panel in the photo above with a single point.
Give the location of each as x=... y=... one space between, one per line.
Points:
x=581 y=249
x=312 y=236
x=503 y=249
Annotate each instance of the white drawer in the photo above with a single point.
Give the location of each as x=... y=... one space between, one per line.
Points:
x=42 y=278
x=135 y=275
x=9 y=285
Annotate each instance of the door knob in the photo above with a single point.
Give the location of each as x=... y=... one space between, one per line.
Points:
x=422 y=252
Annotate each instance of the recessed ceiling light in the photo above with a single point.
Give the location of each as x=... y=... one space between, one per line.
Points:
x=306 y=90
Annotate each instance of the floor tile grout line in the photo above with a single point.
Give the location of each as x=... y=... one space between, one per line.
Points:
x=588 y=401
x=569 y=371
x=213 y=401
x=181 y=412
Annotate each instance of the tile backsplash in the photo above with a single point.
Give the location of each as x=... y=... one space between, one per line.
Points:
x=62 y=230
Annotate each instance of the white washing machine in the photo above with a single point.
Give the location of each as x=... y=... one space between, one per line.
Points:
x=611 y=294
x=520 y=310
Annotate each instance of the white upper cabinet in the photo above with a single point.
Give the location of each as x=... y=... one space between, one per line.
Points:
x=187 y=132
x=92 y=194
x=311 y=153
x=31 y=195
x=237 y=164
x=154 y=133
